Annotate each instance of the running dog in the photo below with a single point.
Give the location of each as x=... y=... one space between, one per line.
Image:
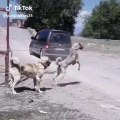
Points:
x=71 y=59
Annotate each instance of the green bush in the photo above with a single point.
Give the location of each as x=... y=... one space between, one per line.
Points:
x=104 y=23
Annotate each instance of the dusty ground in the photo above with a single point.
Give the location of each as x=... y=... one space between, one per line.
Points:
x=91 y=94
x=29 y=105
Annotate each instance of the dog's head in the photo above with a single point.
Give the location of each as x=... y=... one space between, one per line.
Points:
x=77 y=46
x=45 y=61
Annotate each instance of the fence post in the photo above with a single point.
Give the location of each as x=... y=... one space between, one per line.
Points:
x=7 y=52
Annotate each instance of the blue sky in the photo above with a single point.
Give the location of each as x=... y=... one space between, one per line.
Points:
x=2 y=20
x=87 y=9
x=3 y=4
x=90 y=4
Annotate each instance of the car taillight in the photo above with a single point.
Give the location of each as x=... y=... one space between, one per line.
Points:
x=47 y=46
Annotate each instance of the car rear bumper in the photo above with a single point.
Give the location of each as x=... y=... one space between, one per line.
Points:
x=54 y=56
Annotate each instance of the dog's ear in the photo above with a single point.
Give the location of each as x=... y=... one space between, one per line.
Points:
x=48 y=63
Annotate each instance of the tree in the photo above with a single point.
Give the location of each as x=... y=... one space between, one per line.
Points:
x=55 y=14
x=104 y=23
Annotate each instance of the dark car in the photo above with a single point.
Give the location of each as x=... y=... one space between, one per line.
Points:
x=51 y=43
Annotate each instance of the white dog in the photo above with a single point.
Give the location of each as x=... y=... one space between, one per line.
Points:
x=71 y=59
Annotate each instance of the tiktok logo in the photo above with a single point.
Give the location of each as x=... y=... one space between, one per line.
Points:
x=8 y=8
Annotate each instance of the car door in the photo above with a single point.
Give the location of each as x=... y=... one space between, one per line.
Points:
x=35 y=42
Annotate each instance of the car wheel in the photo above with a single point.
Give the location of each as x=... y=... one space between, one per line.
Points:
x=30 y=50
x=41 y=53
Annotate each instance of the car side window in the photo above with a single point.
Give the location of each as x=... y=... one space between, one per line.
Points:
x=42 y=36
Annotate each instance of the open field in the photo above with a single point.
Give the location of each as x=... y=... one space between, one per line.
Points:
x=101 y=45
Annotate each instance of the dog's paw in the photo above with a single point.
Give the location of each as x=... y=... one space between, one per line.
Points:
x=15 y=93
x=40 y=91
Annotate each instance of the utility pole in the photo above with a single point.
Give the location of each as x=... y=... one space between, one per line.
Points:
x=8 y=49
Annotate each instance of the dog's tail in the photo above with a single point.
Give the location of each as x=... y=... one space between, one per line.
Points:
x=58 y=60
x=14 y=62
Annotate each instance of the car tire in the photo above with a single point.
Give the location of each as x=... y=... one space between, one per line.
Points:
x=30 y=50
x=41 y=53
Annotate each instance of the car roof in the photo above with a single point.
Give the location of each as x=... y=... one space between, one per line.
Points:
x=53 y=30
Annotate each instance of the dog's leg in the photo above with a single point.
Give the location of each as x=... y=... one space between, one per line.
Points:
x=58 y=72
x=35 y=84
x=12 y=84
x=61 y=75
x=78 y=61
x=37 y=81
x=13 y=81
x=78 y=65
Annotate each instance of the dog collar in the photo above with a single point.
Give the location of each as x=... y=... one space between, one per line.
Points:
x=44 y=65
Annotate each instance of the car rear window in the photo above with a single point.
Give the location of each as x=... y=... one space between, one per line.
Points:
x=42 y=36
x=60 y=37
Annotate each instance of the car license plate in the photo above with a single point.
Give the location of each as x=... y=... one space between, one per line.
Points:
x=60 y=49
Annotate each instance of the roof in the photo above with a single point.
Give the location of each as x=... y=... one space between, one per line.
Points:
x=49 y=30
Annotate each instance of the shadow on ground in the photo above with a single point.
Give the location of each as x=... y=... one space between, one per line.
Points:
x=70 y=83
x=21 y=89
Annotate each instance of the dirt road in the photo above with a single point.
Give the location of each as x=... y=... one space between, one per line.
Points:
x=93 y=93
